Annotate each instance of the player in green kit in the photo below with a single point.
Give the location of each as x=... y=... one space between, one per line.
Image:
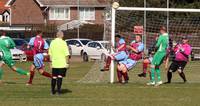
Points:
x=6 y=43
x=161 y=47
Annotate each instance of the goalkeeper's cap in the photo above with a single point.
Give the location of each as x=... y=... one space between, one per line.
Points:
x=185 y=37
x=118 y=36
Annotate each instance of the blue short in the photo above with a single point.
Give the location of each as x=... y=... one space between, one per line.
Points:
x=38 y=61
x=120 y=56
x=129 y=63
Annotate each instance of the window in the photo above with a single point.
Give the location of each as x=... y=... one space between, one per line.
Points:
x=87 y=13
x=97 y=45
x=84 y=42
x=91 y=45
x=59 y=14
x=74 y=42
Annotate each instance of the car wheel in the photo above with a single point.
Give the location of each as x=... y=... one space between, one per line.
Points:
x=81 y=53
x=85 y=57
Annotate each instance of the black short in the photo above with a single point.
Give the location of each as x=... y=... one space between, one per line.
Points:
x=177 y=65
x=59 y=71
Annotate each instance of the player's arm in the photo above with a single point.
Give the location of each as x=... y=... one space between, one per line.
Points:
x=46 y=47
x=132 y=49
x=140 y=48
x=122 y=44
x=158 y=42
x=31 y=42
x=121 y=47
x=66 y=52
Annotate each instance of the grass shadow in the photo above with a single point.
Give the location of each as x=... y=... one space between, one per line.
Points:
x=64 y=91
x=9 y=82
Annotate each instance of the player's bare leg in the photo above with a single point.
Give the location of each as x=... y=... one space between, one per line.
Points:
x=44 y=73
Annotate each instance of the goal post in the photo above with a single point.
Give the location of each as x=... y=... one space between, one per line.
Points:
x=178 y=10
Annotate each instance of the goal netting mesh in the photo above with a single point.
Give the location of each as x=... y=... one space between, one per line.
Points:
x=178 y=24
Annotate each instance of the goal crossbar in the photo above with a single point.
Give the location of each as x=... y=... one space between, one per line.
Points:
x=159 y=9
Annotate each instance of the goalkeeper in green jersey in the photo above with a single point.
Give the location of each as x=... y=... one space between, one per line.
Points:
x=6 y=43
x=161 y=49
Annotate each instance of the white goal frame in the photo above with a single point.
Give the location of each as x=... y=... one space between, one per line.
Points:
x=139 y=9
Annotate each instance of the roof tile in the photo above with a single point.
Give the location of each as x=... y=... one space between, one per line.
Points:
x=74 y=2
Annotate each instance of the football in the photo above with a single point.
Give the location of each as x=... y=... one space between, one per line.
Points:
x=115 y=5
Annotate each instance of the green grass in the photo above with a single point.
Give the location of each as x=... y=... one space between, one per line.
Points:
x=15 y=93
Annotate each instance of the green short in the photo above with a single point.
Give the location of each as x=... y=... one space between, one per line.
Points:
x=158 y=58
x=7 y=59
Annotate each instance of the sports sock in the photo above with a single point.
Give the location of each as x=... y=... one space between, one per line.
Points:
x=119 y=75
x=53 y=85
x=46 y=74
x=21 y=71
x=158 y=74
x=59 y=84
x=125 y=75
x=108 y=61
x=169 y=76
x=145 y=65
x=32 y=73
x=1 y=73
x=152 y=74
x=182 y=75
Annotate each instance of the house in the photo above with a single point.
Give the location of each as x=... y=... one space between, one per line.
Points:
x=59 y=12
x=4 y=12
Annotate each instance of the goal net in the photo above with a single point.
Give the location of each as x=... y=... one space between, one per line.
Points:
x=129 y=21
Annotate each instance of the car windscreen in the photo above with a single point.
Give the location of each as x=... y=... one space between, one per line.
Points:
x=84 y=42
x=19 y=42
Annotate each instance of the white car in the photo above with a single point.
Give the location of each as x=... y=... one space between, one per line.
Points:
x=18 y=55
x=77 y=45
x=96 y=50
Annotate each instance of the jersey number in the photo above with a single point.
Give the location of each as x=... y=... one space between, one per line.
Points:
x=39 y=44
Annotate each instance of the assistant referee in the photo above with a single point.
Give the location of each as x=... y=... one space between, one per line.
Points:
x=59 y=55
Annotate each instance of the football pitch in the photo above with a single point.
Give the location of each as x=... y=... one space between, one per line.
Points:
x=14 y=92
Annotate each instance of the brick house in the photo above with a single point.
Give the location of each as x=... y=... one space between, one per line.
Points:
x=4 y=12
x=26 y=12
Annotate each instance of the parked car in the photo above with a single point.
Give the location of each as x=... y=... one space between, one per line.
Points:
x=96 y=50
x=77 y=45
x=195 y=55
x=18 y=55
x=19 y=42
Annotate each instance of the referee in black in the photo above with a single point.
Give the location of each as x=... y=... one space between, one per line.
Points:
x=59 y=55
